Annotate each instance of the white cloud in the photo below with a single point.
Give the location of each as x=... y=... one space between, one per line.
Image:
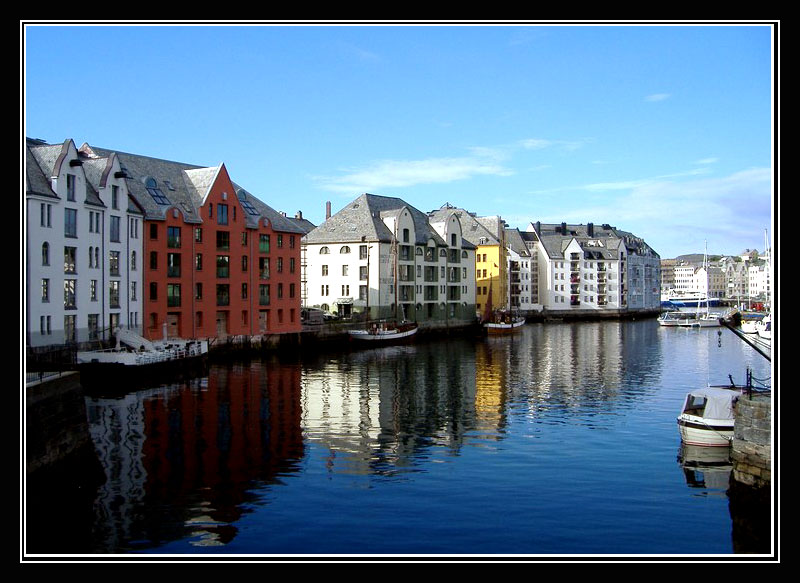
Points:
x=657 y=97
x=405 y=173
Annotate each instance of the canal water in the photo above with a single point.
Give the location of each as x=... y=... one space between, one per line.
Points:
x=558 y=441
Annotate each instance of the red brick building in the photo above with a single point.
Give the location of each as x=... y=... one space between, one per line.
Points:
x=216 y=261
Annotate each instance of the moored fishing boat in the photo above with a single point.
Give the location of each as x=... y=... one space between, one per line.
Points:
x=503 y=324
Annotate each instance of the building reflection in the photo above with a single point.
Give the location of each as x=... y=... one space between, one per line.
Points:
x=375 y=411
x=183 y=460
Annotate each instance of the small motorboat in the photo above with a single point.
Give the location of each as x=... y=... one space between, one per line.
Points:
x=707 y=416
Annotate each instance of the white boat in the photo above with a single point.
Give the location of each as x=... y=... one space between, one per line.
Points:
x=134 y=357
x=676 y=318
x=384 y=332
x=707 y=417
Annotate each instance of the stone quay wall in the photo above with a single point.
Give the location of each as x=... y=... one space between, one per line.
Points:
x=751 y=451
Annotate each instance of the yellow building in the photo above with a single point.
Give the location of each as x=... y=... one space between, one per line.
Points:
x=491 y=261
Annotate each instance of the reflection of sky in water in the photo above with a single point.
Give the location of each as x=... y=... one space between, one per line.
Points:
x=560 y=439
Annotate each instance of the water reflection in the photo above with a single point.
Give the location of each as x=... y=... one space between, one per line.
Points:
x=195 y=461
x=706 y=468
x=181 y=460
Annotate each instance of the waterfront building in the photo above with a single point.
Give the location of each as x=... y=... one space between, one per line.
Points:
x=83 y=247
x=217 y=261
x=381 y=258
x=487 y=235
x=522 y=273
x=584 y=267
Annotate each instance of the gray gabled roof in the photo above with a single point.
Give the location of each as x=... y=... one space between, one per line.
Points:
x=515 y=242
x=185 y=186
x=362 y=220
x=473 y=229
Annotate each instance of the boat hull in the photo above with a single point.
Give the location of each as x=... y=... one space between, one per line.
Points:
x=110 y=371
x=502 y=327
x=379 y=336
x=705 y=432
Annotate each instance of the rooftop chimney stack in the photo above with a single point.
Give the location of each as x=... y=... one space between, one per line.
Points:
x=327 y=210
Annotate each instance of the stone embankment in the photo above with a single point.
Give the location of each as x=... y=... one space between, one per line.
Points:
x=751 y=451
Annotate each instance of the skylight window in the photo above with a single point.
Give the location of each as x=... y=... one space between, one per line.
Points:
x=158 y=196
x=248 y=206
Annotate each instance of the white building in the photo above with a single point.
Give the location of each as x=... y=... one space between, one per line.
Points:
x=589 y=268
x=381 y=258
x=83 y=247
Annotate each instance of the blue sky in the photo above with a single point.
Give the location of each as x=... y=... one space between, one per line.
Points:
x=662 y=130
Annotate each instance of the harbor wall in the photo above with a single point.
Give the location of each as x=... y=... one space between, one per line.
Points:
x=56 y=427
x=751 y=450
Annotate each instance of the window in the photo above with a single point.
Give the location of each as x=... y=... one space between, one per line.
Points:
x=362 y=292
x=263 y=243
x=280 y=291
x=324 y=270
x=113 y=293
x=345 y=269
x=362 y=251
x=153 y=291
x=263 y=267
x=223 y=240
x=115 y=229
x=324 y=250
x=45 y=290
x=133 y=260
x=93 y=326
x=93 y=290
x=263 y=294
x=173 y=264
x=244 y=292
x=223 y=265
x=280 y=241
x=291 y=290
x=114 y=197
x=279 y=265
x=174 y=237
x=153 y=259
x=70 y=223
x=222 y=214
x=113 y=262
x=71 y=187
x=344 y=249
x=69 y=259
x=291 y=265
x=153 y=231
x=45 y=253
x=44 y=214
x=198 y=234
x=291 y=241
x=198 y=262
x=405 y=235
x=69 y=328
x=69 y=294
x=198 y=291
x=223 y=294
x=173 y=295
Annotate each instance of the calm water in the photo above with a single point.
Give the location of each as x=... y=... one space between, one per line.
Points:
x=560 y=440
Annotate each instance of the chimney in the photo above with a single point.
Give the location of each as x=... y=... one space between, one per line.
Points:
x=299 y=215
x=590 y=229
x=563 y=228
x=327 y=210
